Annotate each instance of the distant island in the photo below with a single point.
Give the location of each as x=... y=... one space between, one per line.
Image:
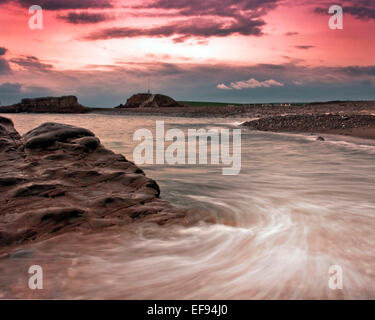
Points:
x=66 y=104
x=148 y=100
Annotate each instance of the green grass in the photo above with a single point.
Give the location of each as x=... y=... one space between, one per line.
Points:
x=208 y=104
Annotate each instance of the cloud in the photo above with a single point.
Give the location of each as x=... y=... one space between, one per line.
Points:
x=4 y=65
x=3 y=51
x=84 y=17
x=63 y=4
x=250 y=84
x=289 y=34
x=304 y=47
x=12 y=92
x=361 y=13
x=360 y=9
x=9 y=92
x=10 y=88
x=222 y=86
x=31 y=63
x=228 y=8
x=203 y=81
x=197 y=19
x=182 y=30
x=358 y=71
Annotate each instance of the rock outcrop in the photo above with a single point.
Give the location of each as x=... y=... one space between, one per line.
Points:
x=59 y=178
x=67 y=104
x=148 y=100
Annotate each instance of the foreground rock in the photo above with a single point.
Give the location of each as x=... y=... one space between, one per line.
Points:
x=148 y=100
x=59 y=178
x=329 y=123
x=67 y=104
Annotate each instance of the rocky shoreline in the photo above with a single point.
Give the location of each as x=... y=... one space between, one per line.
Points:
x=59 y=178
x=362 y=126
x=250 y=111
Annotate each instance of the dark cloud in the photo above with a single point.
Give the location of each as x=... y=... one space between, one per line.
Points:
x=358 y=71
x=362 y=13
x=360 y=9
x=4 y=65
x=84 y=17
x=32 y=63
x=10 y=88
x=63 y=4
x=3 y=51
x=304 y=47
x=289 y=34
x=183 y=30
x=228 y=8
x=9 y=92
x=13 y=92
x=199 y=19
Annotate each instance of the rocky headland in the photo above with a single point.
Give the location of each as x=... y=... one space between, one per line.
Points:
x=59 y=178
x=148 y=100
x=66 y=104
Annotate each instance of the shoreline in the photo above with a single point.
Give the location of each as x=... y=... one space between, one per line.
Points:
x=316 y=118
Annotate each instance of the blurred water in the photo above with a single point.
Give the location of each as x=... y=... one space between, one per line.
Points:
x=298 y=207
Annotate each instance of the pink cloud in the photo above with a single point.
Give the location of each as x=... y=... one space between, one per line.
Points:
x=251 y=84
x=222 y=86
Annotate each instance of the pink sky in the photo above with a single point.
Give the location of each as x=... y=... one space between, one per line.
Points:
x=103 y=50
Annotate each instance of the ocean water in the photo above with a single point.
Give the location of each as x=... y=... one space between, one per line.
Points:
x=298 y=207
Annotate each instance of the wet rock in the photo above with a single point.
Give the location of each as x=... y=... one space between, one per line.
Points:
x=35 y=190
x=90 y=143
x=4 y=255
x=10 y=181
x=320 y=139
x=49 y=133
x=59 y=178
x=20 y=254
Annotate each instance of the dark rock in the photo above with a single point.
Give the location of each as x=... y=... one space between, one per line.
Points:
x=91 y=143
x=59 y=178
x=67 y=104
x=311 y=123
x=148 y=100
x=20 y=254
x=320 y=139
x=10 y=181
x=49 y=133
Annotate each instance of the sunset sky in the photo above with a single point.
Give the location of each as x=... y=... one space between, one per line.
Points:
x=200 y=50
